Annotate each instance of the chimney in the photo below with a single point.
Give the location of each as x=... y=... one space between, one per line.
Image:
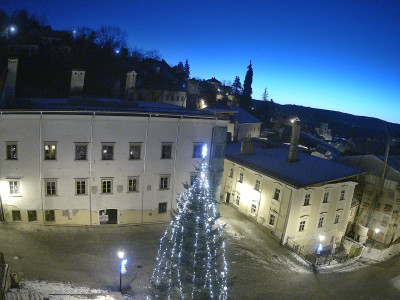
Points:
x=130 y=81
x=9 y=85
x=77 y=81
x=294 y=141
x=247 y=147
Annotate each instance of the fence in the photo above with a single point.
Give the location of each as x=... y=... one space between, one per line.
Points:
x=299 y=250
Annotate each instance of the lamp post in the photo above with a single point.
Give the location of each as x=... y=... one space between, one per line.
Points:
x=320 y=247
x=122 y=268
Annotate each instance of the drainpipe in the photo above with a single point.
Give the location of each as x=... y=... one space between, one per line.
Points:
x=175 y=155
x=90 y=167
x=287 y=214
x=40 y=166
x=144 y=163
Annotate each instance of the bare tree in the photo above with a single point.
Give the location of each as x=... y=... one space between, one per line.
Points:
x=111 y=37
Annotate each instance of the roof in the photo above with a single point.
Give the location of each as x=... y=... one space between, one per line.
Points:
x=243 y=116
x=373 y=165
x=100 y=105
x=271 y=161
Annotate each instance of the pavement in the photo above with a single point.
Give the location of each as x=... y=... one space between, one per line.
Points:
x=259 y=267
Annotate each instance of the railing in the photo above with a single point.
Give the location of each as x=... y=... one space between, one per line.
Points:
x=299 y=250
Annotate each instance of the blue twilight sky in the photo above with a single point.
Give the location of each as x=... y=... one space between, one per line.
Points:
x=340 y=55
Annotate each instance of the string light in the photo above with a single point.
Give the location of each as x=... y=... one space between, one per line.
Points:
x=191 y=262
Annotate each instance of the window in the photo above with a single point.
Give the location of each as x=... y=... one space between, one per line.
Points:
x=321 y=222
x=32 y=215
x=51 y=187
x=272 y=219
x=197 y=151
x=16 y=215
x=302 y=225
x=337 y=219
x=388 y=208
x=241 y=177
x=253 y=209
x=50 y=151
x=307 y=200
x=166 y=151
x=237 y=200
x=276 y=194
x=231 y=173
x=164 y=182
x=193 y=178
x=14 y=187
x=106 y=185
x=135 y=150
x=49 y=215
x=11 y=150
x=132 y=184
x=342 y=193
x=80 y=186
x=80 y=151
x=326 y=197
x=162 y=207
x=218 y=151
x=107 y=152
x=257 y=187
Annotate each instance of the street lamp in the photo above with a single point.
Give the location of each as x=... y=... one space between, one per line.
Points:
x=373 y=240
x=320 y=248
x=122 y=268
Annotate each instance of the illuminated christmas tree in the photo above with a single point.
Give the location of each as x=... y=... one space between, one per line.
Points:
x=191 y=262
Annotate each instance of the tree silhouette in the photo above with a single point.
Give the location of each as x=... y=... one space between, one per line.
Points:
x=245 y=102
x=186 y=69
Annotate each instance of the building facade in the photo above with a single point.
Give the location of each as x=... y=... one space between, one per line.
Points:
x=302 y=201
x=92 y=168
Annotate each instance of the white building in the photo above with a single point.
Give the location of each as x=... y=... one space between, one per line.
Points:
x=297 y=201
x=90 y=167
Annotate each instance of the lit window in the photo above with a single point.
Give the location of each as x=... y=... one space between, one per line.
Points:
x=14 y=188
x=51 y=187
x=162 y=207
x=32 y=215
x=49 y=215
x=302 y=225
x=16 y=215
x=237 y=200
x=253 y=210
x=50 y=151
x=321 y=222
x=135 y=150
x=164 y=182
x=307 y=200
x=166 y=151
x=132 y=184
x=231 y=173
x=107 y=152
x=80 y=186
x=272 y=219
x=11 y=150
x=276 y=194
x=257 y=187
x=197 y=151
x=337 y=219
x=80 y=151
x=326 y=197
x=106 y=186
x=241 y=177
x=342 y=193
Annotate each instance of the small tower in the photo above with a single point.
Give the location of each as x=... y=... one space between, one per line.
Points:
x=130 y=84
x=9 y=85
x=77 y=81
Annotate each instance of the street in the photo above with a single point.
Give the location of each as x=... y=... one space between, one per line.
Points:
x=259 y=268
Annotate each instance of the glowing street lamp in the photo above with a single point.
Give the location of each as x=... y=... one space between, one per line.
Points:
x=122 y=268
x=320 y=247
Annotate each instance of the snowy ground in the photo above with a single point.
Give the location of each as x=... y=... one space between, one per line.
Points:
x=259 y=268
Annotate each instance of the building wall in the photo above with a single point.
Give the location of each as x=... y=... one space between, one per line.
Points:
x=289 y=210
x=248 y=130
x=165 y=96
x=30 y=132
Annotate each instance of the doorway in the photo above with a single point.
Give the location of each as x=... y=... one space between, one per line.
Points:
x=228 y=196
x=108 y=216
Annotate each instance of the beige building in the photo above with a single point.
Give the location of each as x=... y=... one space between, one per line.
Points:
x=300 y=201
x=120 y=166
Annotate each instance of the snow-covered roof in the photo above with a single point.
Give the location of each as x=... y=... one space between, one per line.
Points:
x=243 y=116
x=307 y=171
x=101 y=105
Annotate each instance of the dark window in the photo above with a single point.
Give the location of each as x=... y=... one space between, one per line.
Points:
x=326 y=197
x=132 y=184
x=49 y=215
x=134 y=151
x=197 y=151
x=32 y=215
x=16 y=215
x=307 y=200
x=241 y=177
x=51 y=187
x=321 y=222
x=162 y=207
x=80 y=152
x=81 y=187
x=302 y=225
x=107 y=152
x=276 y=194
x=166 y=151
x=193 y=178
x=164 y=182
x=271 y=219
x=106 y=186
x=12 y=151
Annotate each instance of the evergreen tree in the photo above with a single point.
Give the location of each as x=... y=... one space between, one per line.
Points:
x=265 y=96
x=237 y=87
x=247 y=90
x=191 y=263
x=186 y=69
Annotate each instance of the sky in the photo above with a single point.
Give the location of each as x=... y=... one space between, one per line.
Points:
x=341 y=55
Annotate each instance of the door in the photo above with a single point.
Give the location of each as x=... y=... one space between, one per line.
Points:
x=228 y=196
x=108 y=216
